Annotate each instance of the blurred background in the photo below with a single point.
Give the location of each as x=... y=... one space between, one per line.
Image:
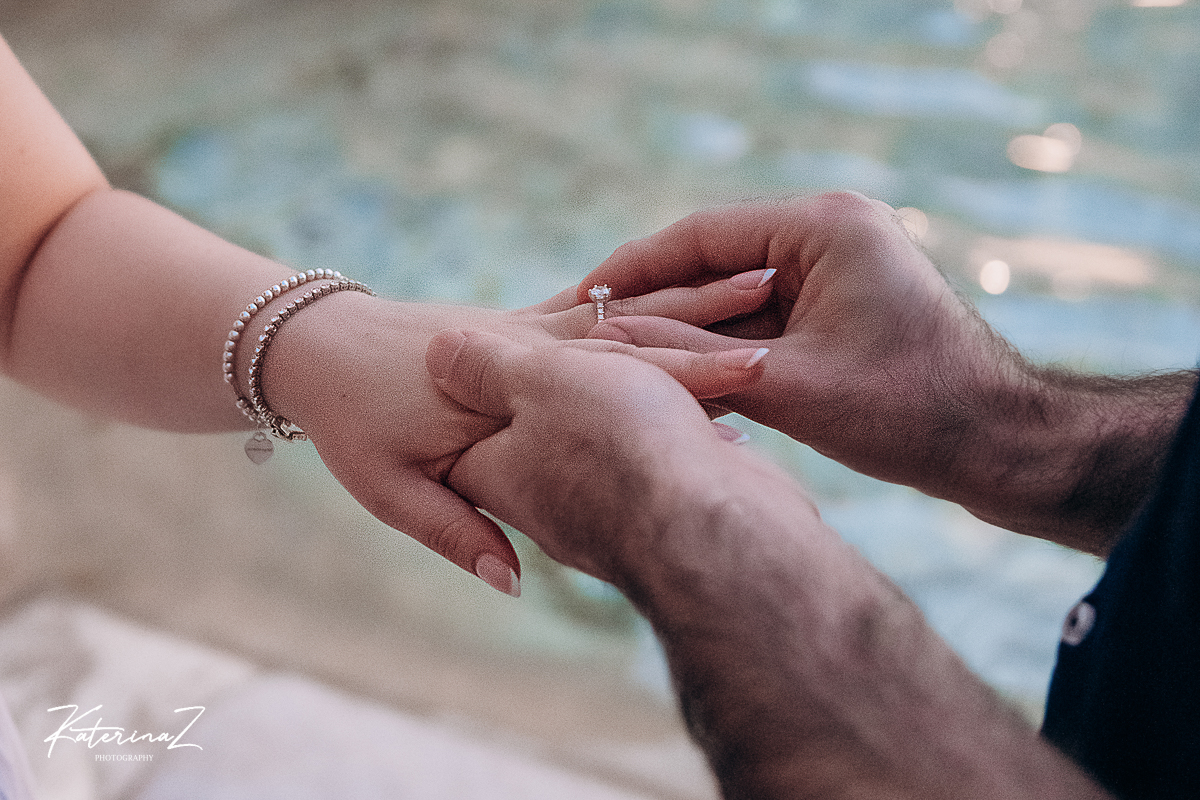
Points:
x=491 y=153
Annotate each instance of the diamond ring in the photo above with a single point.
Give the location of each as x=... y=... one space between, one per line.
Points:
x=600 y=296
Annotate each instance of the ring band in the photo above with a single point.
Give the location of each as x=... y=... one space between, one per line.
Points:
x=600 y=295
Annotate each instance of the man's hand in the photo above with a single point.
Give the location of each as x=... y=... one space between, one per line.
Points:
x=588 y=452
x=802 y=672
x=878 y=364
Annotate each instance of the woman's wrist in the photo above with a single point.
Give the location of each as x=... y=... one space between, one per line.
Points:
x=304 y=369
x=252 y=338
x=358 y=354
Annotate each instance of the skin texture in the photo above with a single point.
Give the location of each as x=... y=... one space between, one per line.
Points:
x=878 y=364
x=802 y=672
x=119 y=307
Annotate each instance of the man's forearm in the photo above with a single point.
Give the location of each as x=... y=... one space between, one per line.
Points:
x=803 y=672
x=1071 y=457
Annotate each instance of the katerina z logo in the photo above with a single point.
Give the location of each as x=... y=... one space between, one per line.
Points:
x=77 y=728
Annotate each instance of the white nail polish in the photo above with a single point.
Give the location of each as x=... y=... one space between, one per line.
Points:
x=497 y=574
x=757 y=357
x=766 y=277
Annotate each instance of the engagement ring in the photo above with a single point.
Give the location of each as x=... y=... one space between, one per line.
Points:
x=600 y=295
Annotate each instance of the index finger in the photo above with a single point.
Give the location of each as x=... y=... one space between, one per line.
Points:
x=709 y=244
x=788 y=235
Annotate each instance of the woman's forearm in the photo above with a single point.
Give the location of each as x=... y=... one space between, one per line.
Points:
x=109 y=302
x=123 y=311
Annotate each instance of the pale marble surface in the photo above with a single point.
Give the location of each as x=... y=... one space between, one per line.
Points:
x=261 y=733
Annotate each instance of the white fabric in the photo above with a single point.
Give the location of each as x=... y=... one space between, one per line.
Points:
x=15 y=781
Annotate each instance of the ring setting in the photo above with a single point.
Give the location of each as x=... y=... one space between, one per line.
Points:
x=600 y=295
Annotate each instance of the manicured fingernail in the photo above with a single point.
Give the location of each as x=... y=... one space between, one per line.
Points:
x=497 y=574
x=754 y=279
x=742 y=358
x=731 y=434
x=757 y=357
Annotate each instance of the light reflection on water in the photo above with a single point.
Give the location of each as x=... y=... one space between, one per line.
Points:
x=930 y=92
x=1084 y=209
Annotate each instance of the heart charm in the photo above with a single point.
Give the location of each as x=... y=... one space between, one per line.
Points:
x=259 y=448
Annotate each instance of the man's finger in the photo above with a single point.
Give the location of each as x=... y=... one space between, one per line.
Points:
x=789 y=235
x=466 y=366
x=718 y=242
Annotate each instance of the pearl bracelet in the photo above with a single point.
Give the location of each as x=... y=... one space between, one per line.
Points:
x=259 y=448
x=280 y=426
x=256 y=305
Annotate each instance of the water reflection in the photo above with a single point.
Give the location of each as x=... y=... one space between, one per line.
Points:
x=994 y=276
x=893 y=90
x=1053 y=151
x=1069 y=269
x=1083 y=209
x=511 y=155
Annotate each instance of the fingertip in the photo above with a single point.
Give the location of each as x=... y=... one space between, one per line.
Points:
x=435 y=516
x=753 y=279
x=730 y=434
x=499 y=574
x=743 y=358
x=756 y=357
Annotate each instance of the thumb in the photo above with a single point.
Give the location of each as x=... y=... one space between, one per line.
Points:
x=435 y=516
x=465 y=366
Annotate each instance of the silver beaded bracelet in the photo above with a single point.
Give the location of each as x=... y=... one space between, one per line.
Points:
x=280 y=426
x=254 y=407
x=256 y=305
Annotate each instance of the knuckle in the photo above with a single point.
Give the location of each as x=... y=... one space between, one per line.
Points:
x=845 y=203
x=625 y=307
x=450 y=541
x=850 y=211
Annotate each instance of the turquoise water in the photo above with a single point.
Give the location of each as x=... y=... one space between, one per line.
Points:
x=493 y=153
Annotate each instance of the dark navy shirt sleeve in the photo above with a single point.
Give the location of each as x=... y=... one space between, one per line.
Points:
x=1124 y=700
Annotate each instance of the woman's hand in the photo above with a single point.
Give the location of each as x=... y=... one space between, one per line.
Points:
x=350 y=370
